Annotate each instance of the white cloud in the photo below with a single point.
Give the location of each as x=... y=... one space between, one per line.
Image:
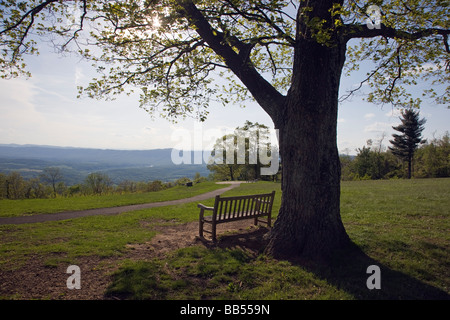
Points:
x=79 y=75
x=33 y=114
x=55 y=94
x=394 y=113
x=369 y=116
x=16 y=93
x=18 y=112
x=378 y=127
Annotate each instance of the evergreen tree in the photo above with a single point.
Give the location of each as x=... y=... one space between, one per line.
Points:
x=405 y=144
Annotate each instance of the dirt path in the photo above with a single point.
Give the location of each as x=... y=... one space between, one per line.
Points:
x=114 y=210
x=35 y=279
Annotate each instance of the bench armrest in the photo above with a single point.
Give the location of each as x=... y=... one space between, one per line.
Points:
x=201 y=206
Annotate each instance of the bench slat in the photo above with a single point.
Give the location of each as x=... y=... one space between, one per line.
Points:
x=234 y=208
x=225 y=209
x=249 y=206
x=219 y=213
x=239 y=205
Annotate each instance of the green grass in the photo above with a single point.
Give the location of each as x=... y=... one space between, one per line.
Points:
x=12 y=208
x=200 y=273
x=65 y=240
x=402 y=226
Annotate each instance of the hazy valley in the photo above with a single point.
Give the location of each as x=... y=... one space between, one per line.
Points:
x=76 y=163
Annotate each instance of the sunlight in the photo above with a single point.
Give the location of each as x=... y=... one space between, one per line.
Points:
x=156 y=22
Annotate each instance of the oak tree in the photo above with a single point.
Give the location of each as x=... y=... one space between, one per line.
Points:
x=289 y=56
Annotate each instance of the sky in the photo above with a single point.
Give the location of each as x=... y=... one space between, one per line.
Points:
x=45 y=110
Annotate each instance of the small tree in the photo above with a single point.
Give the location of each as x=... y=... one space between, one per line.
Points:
x=225 y=165
x=258 y=134
x=3 y=181
x=52 y=176
x=156 y=185
x=370 y=163
x=182 y=181
x=237 y=155
x=98 y=183
x=405 y=144
x=432 y=160
x=15 y=186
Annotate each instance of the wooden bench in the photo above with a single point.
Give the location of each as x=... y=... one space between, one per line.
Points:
x=227 y=209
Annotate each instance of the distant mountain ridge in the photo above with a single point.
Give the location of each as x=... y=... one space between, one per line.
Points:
x=76 y=163
x=120 y=157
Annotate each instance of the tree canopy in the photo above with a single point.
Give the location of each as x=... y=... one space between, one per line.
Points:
x=242 y=154
x=173 y=50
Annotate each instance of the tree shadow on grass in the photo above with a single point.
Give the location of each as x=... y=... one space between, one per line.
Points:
x=252 y=241
x=348 y=271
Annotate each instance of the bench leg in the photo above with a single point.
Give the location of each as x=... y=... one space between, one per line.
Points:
x=200 y=224
x=200 y=229
x=214 y=238
x=256 y=221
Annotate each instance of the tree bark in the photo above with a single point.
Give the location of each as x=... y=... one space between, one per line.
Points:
x=309 y=224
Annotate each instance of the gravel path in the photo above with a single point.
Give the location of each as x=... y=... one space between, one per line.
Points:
x=114 y=210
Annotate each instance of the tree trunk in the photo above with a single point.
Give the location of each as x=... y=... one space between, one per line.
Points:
x=231 y=172
x=409 y=166
x=309 y=223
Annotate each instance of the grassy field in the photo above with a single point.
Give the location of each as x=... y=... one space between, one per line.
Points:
x=12 y=208
x=401 y=226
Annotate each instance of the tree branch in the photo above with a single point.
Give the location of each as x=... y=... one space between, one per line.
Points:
x=262 y=17
x=447 y=49
x=264 y=93
x=32 y=12
x=399 y=73
x=352 y=31
x=83 y=16
x=351 y=92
